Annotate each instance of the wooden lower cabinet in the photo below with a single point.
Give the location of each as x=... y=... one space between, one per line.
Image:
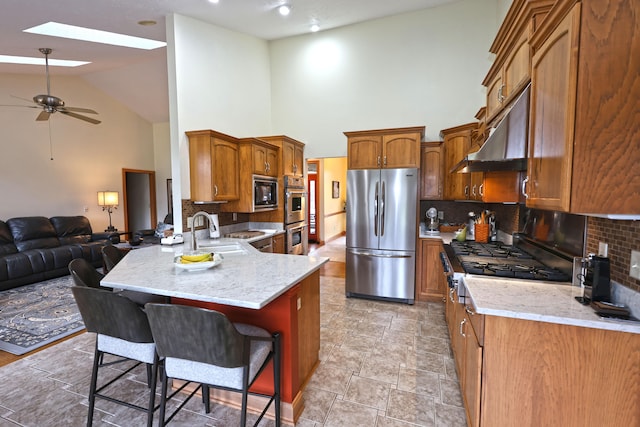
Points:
x=279 y=244
x=531 y=373
x=430 y=281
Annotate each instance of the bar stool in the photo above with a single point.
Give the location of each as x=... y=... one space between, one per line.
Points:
x=203 y=346
x=122 y=330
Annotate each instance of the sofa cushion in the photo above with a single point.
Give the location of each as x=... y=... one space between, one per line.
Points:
x=6 y=240
x=72 y=229
x=33 y=232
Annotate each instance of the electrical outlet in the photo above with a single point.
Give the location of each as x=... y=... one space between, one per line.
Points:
x=190 y=222
x=234 y=216
x=441 y=215
x=634 y=270
x=603 y=249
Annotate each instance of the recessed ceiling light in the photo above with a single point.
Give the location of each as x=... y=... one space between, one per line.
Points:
x=40 y=61
x=315 y=28
x=214 y=1
x=284 y=10
x=56 y=29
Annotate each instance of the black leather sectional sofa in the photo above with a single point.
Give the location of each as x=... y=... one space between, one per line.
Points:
x=37 y=248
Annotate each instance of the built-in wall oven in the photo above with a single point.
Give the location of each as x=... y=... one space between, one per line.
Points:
x=295 y=212
x=297 y=238
x=295 y=200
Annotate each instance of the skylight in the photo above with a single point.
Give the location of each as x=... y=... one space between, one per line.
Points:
x=56 y=29
x=7 y=59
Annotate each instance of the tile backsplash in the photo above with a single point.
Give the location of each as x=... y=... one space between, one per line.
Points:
x=621 y=236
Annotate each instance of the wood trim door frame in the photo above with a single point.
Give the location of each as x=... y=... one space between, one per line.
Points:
x=153 y=214
x=316 y=178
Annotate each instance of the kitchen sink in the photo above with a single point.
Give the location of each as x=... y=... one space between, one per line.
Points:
x=224 y=248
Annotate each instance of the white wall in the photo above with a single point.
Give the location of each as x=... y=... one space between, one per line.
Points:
x=218 y=79
x=86 y=158
x=420 y=68
x=335 y=218
x=162 y=161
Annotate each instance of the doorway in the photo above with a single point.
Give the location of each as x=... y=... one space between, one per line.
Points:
x=139 y=199
x=314 y=200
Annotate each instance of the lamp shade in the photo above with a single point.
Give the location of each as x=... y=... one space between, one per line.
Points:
x=107 y=198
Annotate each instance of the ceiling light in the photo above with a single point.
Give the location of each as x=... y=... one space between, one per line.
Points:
x=214 y=1
x=315 y=28
x=40 y=61
x=284 y=10
x=56 y=29
x=147 y=22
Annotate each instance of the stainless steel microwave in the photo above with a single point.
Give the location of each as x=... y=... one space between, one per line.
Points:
x=265 y=193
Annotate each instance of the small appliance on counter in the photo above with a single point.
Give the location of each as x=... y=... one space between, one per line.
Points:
x=214 y=226
x=471 y=227
x=432 y=225
x=595 y=279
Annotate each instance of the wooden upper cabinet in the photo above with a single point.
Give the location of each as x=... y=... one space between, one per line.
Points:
x=384 y=148
x=510 y=71
x=457 y=143
x=291 y=156
x=584 y=127
x=431 y=171
x=213 y=166
x=265 y=159
x=364 y=152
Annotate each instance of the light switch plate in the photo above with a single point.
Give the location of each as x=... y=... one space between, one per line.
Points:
x=634 y=270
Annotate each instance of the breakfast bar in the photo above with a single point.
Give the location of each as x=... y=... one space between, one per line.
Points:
x=274 y=291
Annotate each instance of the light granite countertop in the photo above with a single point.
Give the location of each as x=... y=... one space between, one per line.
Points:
x=252 y=280
x=540 y=301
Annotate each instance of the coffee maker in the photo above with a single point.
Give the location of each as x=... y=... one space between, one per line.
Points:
x=596 y=281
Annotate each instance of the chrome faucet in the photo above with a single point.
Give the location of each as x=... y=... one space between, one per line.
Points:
x=194 y=243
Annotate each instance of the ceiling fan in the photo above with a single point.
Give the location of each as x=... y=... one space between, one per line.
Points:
x=51 y=104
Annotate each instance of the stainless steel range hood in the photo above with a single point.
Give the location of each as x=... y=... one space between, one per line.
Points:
x=506 y=147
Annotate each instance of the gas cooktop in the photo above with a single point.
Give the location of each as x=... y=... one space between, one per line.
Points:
x=500 y=260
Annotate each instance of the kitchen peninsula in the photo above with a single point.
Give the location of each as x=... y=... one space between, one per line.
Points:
x=273 y=291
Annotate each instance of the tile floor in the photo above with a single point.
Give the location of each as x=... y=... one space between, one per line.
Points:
x=382 y=365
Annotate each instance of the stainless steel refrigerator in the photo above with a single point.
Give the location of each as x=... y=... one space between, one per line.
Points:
x=381 y=233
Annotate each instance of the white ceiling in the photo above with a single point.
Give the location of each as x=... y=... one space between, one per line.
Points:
x=138 y=78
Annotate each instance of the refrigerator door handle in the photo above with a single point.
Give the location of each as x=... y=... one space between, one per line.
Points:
x=382 y=208
x=374 y=255
x=375 y=212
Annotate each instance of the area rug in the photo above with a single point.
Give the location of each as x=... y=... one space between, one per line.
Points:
x=34 y=315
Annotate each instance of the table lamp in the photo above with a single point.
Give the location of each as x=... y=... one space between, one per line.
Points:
x=109 y=201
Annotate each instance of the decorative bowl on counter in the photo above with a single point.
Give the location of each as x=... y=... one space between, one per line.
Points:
x=193 y=263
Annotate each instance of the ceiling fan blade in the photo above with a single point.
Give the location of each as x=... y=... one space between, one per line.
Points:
x=78 y=116
x=22 y=99
x=43 y=116
x=16 y=105
x=77 y=110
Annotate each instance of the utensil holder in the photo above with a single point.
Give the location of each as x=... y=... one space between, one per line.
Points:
x=482 y=233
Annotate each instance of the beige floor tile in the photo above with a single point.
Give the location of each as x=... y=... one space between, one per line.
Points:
x=368 y=392
x=317 y=404
x=411 y=407
x=331 y=378
x=380 y=368
x=347 y=414
x=419 y=382
x=450 y=416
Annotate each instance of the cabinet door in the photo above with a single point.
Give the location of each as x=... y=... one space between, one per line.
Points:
x=272 y=162
x=431 y=171
x=200 y=166
x=431 y=281
x=225 y=170
x=278 y=244
x=298 y=160
x=472 y=375
x=456 y=148
x=502 y=187
x=364 y=152
x=515 y=73
x=495 y=95
x=401 y=150
x=553 y=102
x=259 y=159
x=476 y=185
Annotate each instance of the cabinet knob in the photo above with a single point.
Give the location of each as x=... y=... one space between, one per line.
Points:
x=466 y=190
x=469 y=310
x=481 y=190
x=215 y=190
x=524 y=187
x=385 y=160
x=378 y=160
x=500 y=94
x=462 y=325
x=473 y=190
